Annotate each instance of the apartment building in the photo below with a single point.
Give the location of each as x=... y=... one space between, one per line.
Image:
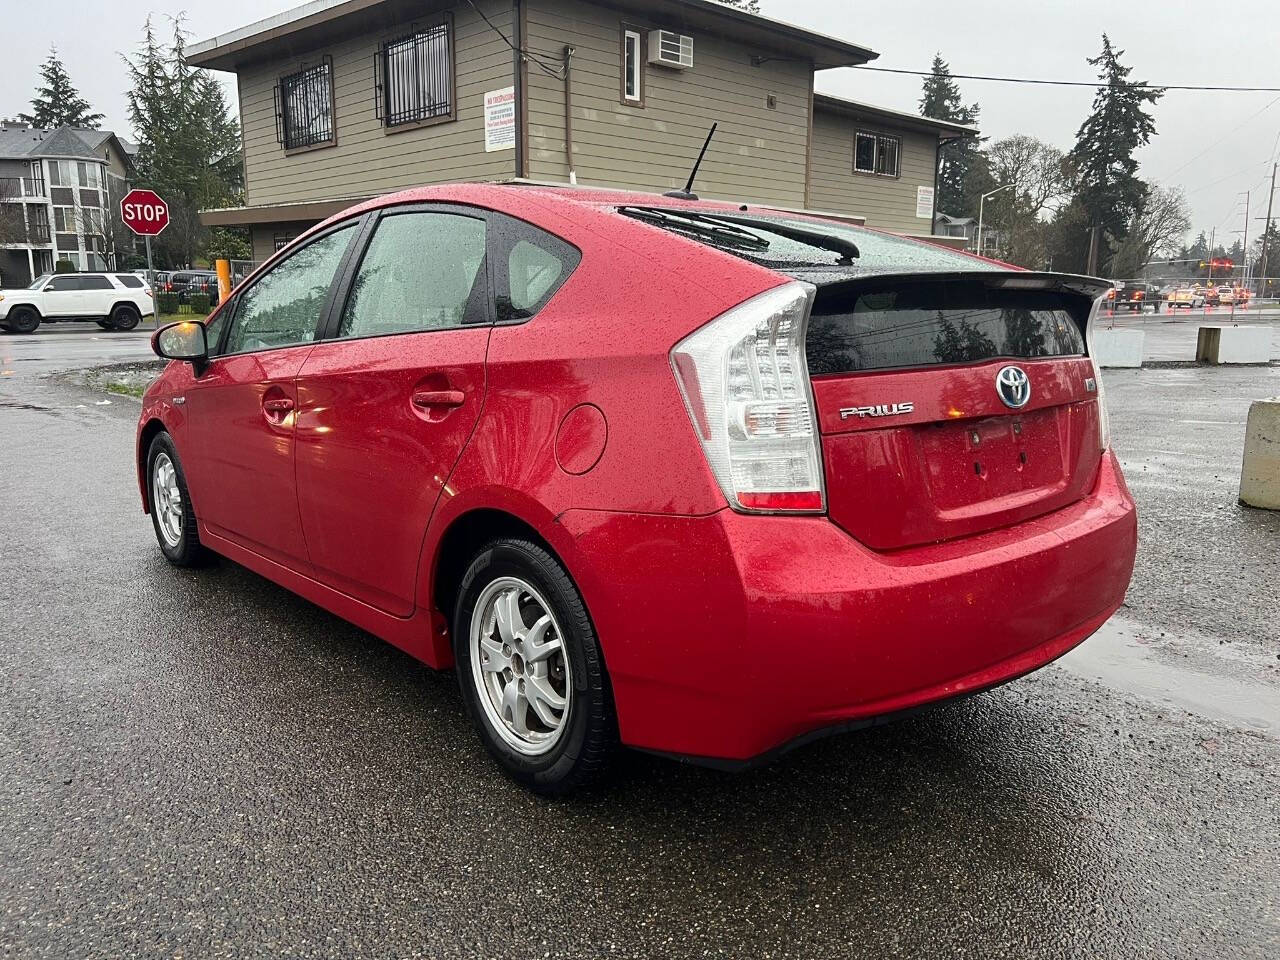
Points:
x=57 y=190
x=341 y=100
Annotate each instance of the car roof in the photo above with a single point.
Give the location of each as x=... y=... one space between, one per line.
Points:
x=884 y=252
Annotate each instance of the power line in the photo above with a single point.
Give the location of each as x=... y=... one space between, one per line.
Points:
x=534 y=58
x=1220 y=138
x=1145 y=85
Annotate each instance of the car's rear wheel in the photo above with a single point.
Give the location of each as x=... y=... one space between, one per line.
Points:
x=530 y=668
x=172 y=516
x=124 y=317
x=23 y=320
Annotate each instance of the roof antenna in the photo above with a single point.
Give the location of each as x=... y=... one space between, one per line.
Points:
x=687 y=193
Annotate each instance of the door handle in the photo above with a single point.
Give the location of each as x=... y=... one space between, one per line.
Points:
x=438 y=398
x=278 y=405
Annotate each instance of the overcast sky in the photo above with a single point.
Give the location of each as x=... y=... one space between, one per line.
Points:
x=1215 y=145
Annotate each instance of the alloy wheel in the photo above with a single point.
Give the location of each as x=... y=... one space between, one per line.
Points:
x=519 y=666
x=168 y=499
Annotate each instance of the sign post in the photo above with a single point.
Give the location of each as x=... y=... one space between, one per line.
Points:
x=143 y=212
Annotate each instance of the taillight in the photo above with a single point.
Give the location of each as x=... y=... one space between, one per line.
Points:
x=746 y=385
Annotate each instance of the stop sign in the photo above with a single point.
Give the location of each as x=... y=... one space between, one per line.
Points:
x=144 y=213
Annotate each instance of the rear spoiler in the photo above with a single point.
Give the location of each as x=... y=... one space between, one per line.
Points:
x=833 y=286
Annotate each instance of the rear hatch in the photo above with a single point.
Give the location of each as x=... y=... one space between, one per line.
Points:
x=951 y=404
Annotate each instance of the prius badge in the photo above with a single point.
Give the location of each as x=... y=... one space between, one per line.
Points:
x=879 y=410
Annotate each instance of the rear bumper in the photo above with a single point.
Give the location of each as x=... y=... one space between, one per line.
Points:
x=730 y=636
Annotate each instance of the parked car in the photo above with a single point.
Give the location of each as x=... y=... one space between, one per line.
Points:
x=117 y=301
x=186 y=282
x=1189 y=297
x=1136 y=295
x=701 y=479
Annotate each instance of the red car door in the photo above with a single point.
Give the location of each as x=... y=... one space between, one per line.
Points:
x=387 y=404
x=241 y=408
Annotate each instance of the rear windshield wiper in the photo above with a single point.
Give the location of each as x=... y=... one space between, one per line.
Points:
x=847 y=249
x=729 y=231
x=700 y=227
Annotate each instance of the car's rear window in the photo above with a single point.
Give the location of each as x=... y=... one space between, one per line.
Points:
x=888 y=325
x=129 y=280
x=800 y=245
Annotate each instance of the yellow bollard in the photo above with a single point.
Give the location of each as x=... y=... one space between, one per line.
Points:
x=224 y=278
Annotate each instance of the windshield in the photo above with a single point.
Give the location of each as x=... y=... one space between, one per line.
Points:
x=39 y=281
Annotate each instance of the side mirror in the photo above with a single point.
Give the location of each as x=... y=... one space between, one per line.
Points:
x=184 y=340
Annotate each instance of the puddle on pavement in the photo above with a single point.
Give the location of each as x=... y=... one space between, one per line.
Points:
x=1115 y=656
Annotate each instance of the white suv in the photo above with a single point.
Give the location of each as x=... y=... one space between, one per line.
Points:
x=117 y=301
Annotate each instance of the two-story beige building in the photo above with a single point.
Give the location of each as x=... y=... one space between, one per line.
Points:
x=341 y=100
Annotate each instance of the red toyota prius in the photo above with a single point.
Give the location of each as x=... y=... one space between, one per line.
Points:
x=698 y=478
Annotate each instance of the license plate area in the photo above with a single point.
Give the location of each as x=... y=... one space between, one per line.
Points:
x=992 y=459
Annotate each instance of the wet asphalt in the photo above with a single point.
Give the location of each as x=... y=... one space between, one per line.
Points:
x=198 y=764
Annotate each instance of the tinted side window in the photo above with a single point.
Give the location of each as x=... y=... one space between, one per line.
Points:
x=63 y=284
x=129 y=280
x=95 y=283
x=531 y=266
x=421 y=271
x=284 y=306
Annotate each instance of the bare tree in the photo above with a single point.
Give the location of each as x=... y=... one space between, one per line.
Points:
x=1159 y=226
x=1035 y=171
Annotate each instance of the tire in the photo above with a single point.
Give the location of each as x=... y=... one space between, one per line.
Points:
x=23 y=320
x=182 y=546
x=104 y=324
x=558 y=751
x=124 y=317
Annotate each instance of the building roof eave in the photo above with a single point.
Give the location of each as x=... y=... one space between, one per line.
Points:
x=301 y=212
x=322 y=20
x=945 y=129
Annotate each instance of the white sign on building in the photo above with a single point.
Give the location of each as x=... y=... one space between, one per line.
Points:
x=500 y=119
x=924 y=203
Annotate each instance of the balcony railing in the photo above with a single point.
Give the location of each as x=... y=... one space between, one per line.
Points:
x=22 y=188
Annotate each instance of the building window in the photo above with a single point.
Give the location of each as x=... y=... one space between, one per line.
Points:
x=874 y=153
x=64 y=219
x=304 y=111
x=417 y=77
x=632 y=67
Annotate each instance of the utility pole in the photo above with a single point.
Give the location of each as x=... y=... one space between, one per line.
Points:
x=1245 y=244
x=1209 y=283
x=1266 y=234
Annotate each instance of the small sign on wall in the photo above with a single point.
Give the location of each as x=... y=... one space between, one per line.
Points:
x=500 y=119
x=924 y=203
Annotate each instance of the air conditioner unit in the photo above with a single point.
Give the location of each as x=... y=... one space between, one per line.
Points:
x=667 y=49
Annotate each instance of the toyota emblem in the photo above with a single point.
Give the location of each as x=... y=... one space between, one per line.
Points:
x=1014 y=387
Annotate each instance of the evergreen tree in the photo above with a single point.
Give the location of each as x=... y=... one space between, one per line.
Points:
x=57 y=102
x=1108 y=187
x=188 y=141
x=958 y=160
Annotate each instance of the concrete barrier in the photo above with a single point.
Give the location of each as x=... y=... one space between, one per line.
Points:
x=1118 y=348
x=1234 y=345
x=1260 y=474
